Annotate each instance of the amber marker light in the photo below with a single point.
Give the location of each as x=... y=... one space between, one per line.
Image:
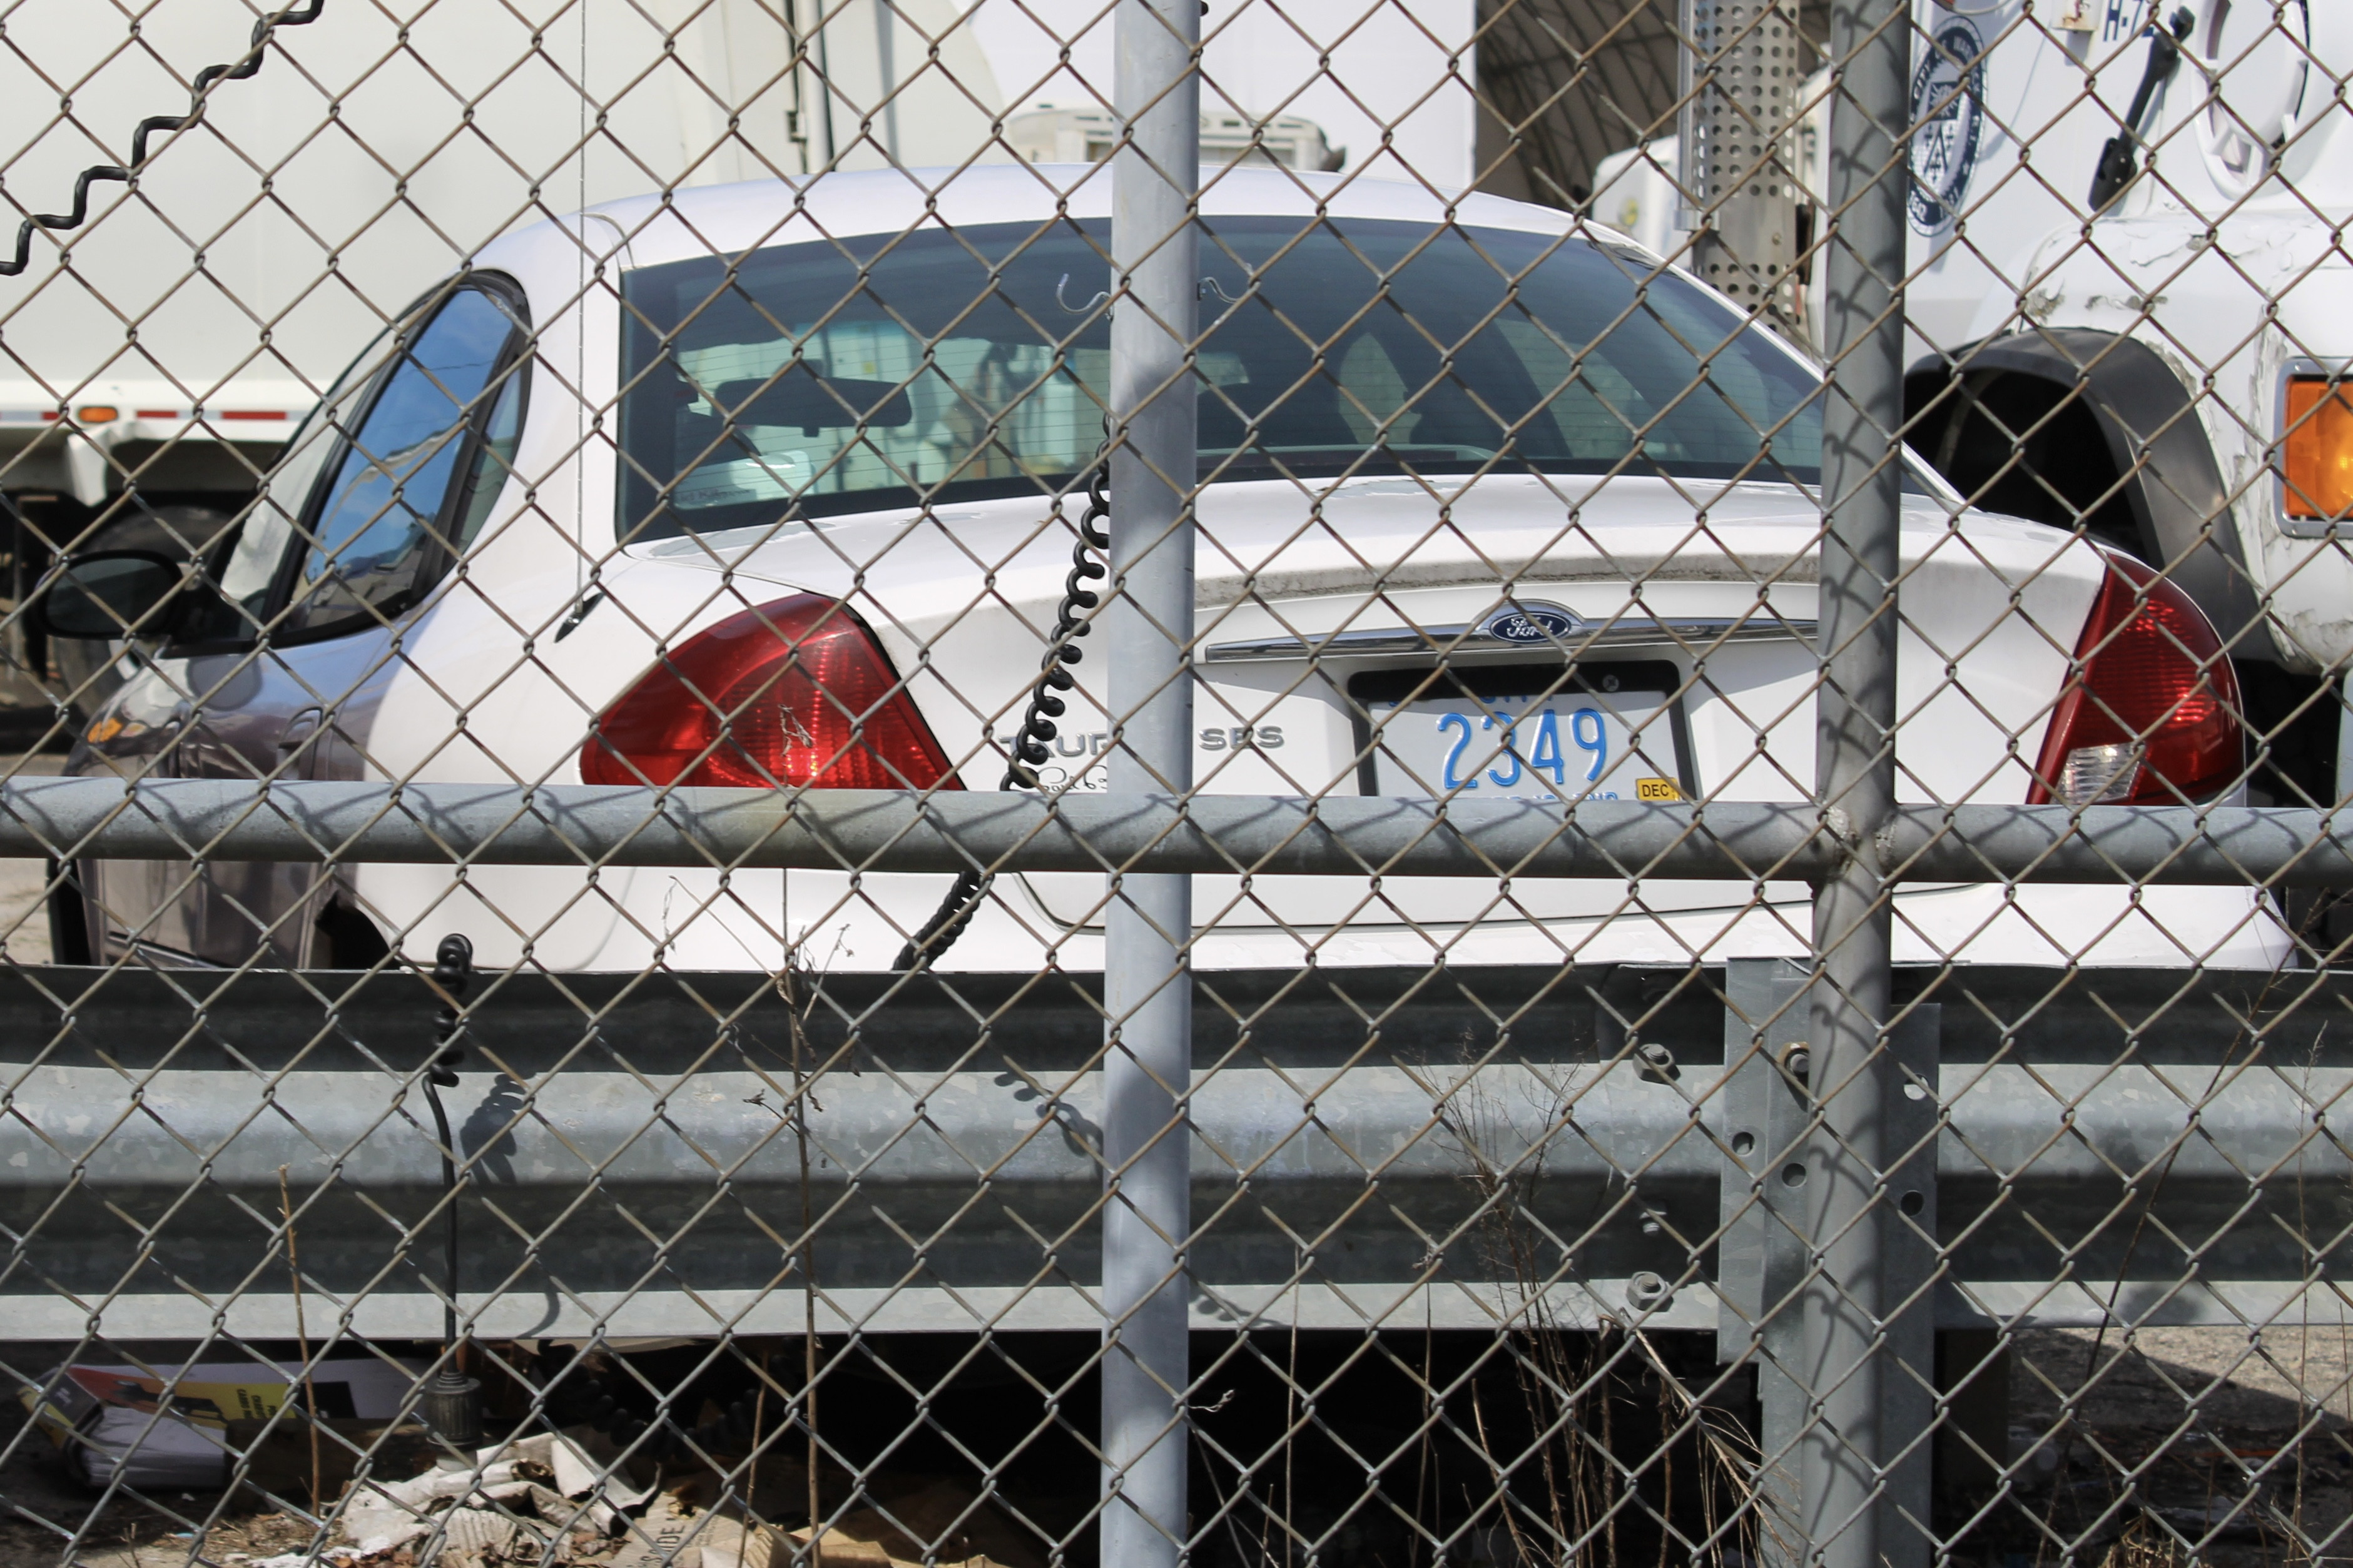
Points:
x=2319 y=447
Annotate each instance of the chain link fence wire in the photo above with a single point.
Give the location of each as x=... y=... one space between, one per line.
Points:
x=1469 y=783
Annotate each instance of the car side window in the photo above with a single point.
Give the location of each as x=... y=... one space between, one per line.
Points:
x=249 y=573
x=382 y=521
x=493 y=458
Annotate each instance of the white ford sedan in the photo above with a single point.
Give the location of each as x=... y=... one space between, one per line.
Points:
x=780 y=486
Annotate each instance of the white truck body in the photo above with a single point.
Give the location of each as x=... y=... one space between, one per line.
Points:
x=264 y=247
x=2219 y=259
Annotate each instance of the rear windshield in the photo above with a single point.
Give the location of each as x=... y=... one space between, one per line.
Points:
x=946 y=367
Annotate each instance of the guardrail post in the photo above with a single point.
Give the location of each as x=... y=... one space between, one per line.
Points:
x=1764 y=1108
x=1846 y=1516
x=1148 y=991
x=1761 y=1256
x=1910 y=1280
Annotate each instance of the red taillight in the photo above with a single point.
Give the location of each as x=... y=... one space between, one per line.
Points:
x=2151 y=715
x=791 y=693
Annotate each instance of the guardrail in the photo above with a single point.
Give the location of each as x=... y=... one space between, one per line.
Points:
x=631 y=1162
x=1405 y=1150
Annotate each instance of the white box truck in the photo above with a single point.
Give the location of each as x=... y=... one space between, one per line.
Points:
x=152 y=360
x=2152 y=365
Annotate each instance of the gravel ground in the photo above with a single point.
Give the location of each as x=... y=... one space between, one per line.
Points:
x=125 y=1536
x=2135 y=1453
x=2185 y=1446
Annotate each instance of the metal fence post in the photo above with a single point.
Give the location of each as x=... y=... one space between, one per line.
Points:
x=1844 y=1452
x=1147 y=990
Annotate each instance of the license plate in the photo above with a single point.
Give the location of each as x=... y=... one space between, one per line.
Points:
x=1570 y=746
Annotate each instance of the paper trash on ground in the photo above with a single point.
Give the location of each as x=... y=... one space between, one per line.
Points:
x=543 y=1487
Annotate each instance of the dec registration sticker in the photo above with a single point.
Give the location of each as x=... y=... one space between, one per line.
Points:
x=1570 y=746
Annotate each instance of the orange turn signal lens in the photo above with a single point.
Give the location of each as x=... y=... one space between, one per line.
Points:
x=2320 y=446
x=97 y=414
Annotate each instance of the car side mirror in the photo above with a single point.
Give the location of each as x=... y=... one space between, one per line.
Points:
x=111 y=595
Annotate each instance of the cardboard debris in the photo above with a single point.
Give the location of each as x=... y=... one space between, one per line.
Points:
x=538 y=1491
x=839 y=1549
x=531 y=1500
x=722 y=1542
x=659 y=1538
x=481 y=1532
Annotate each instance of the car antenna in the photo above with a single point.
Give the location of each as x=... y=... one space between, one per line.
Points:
x=245 y=67
x=580 y=612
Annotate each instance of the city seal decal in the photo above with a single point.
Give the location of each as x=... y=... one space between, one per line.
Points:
x=1530 y=624
x=1948 y=122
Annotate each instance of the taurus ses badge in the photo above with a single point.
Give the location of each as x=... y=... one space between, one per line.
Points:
x=1529 y=623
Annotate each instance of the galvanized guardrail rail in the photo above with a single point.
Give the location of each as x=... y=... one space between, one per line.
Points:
x=2118 y=1146
x=1496 y=1150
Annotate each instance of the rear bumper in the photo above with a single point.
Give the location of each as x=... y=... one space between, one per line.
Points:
x=691 y=919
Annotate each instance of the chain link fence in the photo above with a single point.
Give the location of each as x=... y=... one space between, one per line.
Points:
x=1472 y=783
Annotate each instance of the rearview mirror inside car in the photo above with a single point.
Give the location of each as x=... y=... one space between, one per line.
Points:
x=110 y=595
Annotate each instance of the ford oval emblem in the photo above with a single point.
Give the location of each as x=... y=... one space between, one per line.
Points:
x=1532 y=624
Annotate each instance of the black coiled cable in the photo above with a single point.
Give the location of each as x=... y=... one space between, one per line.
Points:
x=937 y=934
x=292 y=17
x=453 y=971
x=1037 y=727
x=449 y=1400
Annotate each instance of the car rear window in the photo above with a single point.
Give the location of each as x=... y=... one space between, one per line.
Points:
x=950 y=366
